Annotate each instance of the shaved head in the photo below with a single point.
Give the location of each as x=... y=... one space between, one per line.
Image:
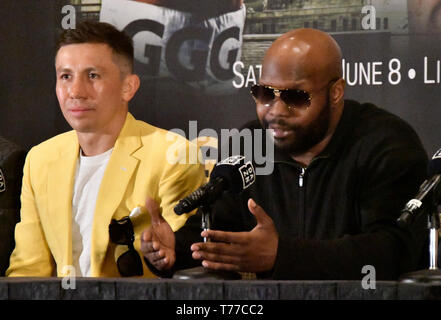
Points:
x=308 y=60
x=304 y=53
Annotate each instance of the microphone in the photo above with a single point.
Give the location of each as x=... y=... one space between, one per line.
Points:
x=231 y=174
x=425 y=191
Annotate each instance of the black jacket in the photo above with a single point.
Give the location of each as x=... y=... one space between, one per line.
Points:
x=343 y=214
x=11 y=171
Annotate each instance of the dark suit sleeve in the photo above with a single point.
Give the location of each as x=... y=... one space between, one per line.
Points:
x=11 y=166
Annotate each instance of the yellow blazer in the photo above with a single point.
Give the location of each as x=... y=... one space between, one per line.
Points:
x=141 y=166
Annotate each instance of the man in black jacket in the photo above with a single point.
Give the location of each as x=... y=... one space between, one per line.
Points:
x=342 y=173
x=11 y=170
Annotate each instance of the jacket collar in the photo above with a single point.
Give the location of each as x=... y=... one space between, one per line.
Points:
x=118 y=173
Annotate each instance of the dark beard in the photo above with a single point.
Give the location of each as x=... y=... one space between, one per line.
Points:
x=305 y=138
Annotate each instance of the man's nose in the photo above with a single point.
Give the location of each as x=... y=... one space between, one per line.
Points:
x=77 y=89
x=279 y=108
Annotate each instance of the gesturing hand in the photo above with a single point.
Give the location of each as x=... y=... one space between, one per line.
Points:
x=158 y=240
x=253 y=251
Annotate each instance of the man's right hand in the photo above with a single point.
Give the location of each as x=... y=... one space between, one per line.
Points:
x=158 y=240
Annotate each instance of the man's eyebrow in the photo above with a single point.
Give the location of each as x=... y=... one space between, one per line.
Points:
x=89 y=69
x=95 y=68
x=60 y=70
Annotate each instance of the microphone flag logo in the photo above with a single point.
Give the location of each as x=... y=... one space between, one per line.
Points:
x=248 y=174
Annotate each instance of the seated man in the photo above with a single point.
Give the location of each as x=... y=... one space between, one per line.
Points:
x=80 y=182
x=342 y=173
x=11 y=170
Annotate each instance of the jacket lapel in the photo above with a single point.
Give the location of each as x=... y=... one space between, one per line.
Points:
x=118 y=173
x=61 y=174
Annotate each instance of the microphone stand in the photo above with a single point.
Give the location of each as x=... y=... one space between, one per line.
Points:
x=202 y=272
x=433 y=274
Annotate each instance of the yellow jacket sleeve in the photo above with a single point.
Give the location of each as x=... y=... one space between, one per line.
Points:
x=31 y=256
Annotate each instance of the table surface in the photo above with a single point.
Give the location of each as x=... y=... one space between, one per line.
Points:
x=171 y=289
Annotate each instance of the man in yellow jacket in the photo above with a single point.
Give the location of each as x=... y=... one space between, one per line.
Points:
x=77 y=184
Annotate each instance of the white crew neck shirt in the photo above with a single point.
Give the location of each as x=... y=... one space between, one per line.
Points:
x=88 y=177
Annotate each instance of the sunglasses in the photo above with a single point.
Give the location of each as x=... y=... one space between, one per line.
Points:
x=121 y=232
x=291 y=97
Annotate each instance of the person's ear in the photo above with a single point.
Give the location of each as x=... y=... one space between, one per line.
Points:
x=131 y=84
x=337 y=91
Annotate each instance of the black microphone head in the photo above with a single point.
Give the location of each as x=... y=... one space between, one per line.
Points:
x=405 y=219
x=236 y=171
x=183 y=206
x=434 y=166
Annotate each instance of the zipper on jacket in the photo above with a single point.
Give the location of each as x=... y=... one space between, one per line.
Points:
x=302 y=173
x=301 y=202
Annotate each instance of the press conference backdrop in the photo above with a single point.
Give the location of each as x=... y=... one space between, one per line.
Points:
x=197 y=59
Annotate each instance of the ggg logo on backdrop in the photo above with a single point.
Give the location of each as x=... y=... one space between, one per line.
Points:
x=170 y=43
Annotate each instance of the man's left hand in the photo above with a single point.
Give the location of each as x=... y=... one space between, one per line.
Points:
x=253 y=251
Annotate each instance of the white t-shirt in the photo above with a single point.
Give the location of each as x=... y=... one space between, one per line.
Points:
x=88 y=176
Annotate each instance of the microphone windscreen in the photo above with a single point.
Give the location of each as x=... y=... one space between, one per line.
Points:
x=236 y=172
x=434 y=166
